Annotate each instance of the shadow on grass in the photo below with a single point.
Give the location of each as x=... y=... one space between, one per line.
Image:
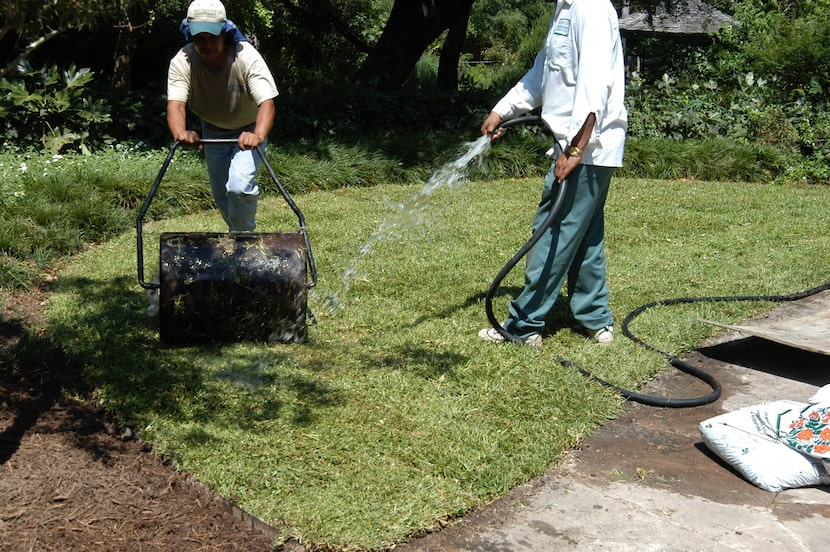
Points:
x=102 y=325
x=423 y=362
x=559 y=317
x=473 y=300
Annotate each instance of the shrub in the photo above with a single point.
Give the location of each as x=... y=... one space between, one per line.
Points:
x=746 y=112
x=50 y=107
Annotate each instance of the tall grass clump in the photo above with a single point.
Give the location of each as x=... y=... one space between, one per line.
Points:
x=55 y=205
x=692 y=159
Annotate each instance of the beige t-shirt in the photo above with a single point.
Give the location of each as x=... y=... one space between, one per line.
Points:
x=227 y=98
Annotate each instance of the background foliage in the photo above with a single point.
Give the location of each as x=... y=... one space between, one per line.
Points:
x=764 y=80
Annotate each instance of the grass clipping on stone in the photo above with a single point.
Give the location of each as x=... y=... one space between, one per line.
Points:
x=394 y=418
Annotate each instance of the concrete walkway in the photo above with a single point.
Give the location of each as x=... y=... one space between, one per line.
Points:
x=645 y=481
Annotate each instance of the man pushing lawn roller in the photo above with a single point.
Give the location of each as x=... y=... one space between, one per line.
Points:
x=239 y=285
x=578 y=81
x=223 y=79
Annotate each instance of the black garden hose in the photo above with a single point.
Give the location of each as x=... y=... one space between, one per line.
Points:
x=488 y=299
x=684 y=366
x=681 y=365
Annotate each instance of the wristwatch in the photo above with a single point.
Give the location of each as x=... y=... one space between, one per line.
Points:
x=573 y=151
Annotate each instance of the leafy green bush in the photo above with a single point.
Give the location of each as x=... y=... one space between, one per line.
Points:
x=50 y=107
x=680 y=108
x=138 y=116
x=747 y=112
x=789 y=39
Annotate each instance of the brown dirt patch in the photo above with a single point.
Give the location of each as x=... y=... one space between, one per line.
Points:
x=71 y=480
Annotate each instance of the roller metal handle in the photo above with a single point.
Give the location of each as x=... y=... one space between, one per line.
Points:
x=154 y=188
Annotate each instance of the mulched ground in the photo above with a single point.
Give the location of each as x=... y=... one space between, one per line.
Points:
x=71 y=480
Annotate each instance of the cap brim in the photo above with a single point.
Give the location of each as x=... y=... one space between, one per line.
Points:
x=197 y=27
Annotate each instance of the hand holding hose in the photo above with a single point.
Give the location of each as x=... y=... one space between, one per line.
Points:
x=492 y=126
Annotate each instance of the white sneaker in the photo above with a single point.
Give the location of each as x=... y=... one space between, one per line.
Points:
x=492 y=335
x=604 y=335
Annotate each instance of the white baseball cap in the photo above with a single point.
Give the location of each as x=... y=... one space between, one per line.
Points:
x=206 y=16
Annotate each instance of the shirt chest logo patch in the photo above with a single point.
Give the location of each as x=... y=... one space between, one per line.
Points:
x=563 y=27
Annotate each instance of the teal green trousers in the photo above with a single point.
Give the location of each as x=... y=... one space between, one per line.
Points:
x=572 y=248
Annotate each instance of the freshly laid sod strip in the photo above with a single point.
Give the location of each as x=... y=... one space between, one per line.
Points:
x=394 y=418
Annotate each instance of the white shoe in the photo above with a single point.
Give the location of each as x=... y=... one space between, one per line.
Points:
x=492 y=335
x=603 y=335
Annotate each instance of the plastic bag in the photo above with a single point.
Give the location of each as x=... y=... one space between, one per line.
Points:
x=753 y=440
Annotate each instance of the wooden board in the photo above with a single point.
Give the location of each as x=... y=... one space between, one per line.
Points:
x=810 y=332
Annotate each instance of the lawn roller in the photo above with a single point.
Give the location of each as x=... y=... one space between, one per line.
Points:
x=232 y=286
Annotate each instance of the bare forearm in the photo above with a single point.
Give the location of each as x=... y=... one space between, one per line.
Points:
x=567 y=162
x=264 y=119
x=177 y=123
x=262 y=127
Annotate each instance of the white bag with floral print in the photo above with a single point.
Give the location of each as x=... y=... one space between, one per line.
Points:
x=810 y=432
x=758 y=442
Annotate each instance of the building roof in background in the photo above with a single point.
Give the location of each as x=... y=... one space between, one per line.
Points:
x=688 y=17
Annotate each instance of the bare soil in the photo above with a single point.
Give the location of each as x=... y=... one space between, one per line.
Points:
x=71 y=480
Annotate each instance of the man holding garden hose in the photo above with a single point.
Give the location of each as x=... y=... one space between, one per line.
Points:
x=578 y=81
x=224 y=80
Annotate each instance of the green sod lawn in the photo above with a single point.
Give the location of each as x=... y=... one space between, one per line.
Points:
x=394 y=418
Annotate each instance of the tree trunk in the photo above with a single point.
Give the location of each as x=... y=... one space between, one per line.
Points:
x=122 y=66
x=451 y=52
x=412 y=26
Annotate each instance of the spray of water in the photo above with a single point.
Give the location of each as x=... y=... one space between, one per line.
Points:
x=412 y=212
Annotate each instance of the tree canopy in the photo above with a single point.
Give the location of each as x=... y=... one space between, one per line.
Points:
x=377 y=42
x=29 y=24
